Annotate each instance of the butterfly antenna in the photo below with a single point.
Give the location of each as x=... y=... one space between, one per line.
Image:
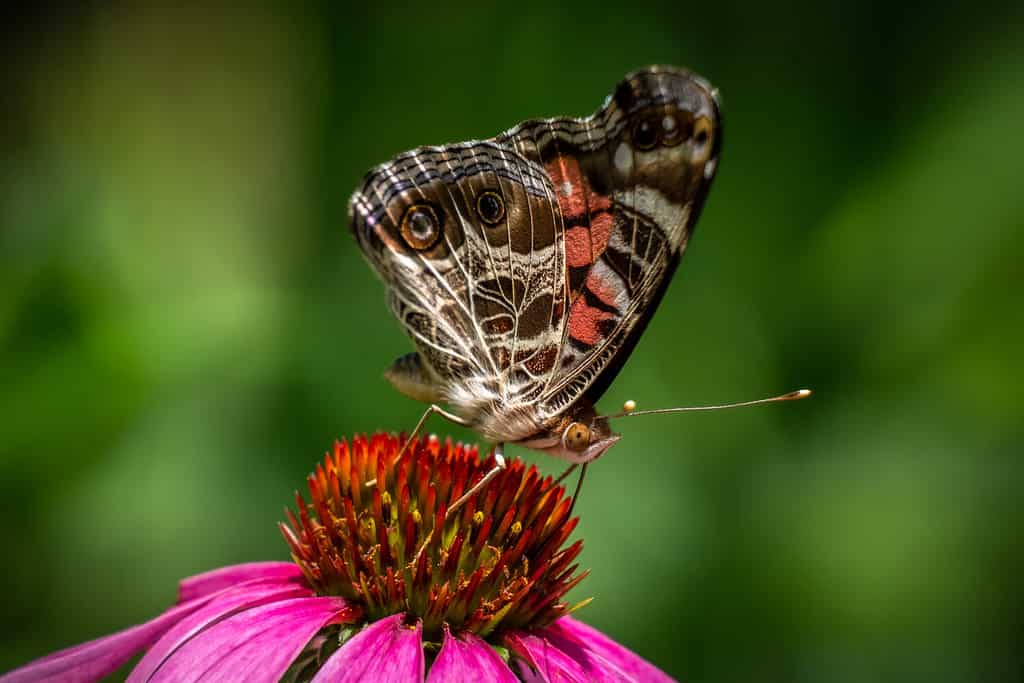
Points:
x=629 y=407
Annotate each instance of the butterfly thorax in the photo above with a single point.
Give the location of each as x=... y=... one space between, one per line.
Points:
x=501 y=423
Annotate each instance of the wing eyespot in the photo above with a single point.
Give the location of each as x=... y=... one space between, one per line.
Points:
x=676 y=127
x=490 y=207
x=645 y=134
x=421 y=228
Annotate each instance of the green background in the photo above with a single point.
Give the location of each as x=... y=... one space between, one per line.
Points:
x=186 y=324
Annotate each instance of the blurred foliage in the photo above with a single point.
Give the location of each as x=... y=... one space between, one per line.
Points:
x=185 y=323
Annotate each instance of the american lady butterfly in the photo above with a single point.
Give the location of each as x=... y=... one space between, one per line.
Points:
x=525 y=267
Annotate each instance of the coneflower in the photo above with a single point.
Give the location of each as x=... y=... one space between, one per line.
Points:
x=384 y=587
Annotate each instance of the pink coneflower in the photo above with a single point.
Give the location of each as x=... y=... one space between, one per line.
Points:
x=379 y=590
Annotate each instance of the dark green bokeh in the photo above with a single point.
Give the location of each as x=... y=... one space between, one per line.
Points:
x=185 y=323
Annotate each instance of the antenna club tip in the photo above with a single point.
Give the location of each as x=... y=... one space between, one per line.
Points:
x=802 y=393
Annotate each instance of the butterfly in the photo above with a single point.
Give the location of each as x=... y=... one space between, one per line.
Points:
x=525 y=267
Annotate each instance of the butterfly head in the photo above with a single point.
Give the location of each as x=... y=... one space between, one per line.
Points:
x=580 y=436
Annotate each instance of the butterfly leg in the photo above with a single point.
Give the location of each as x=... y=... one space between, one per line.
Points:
x=433 y=409
x=499 y=465
x=568 y=471
x=579 y=485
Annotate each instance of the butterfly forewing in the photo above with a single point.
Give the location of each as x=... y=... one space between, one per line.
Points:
x=629 y=189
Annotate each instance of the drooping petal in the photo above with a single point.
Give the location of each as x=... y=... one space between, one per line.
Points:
x=95 y=659
x=223 y=605
x=255 y=645
x=597 y=643
x=227 y=577
x=467 y=657
x=539 y=660
x=386 y=650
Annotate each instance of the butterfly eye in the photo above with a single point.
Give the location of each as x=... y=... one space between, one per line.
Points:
x=576 y=437
x=491 y=207
x=675 y=128
x=645 y=134
x=420 y=228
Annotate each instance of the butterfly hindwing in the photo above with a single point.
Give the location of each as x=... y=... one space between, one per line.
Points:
x=480 y=302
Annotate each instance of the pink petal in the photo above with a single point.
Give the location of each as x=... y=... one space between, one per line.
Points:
x=95 y=659
x=201 y=585
x=596 y=651
x=258 y=644
x=467 y=658
x=386 y=650
x=539 y=660
x=223 y=605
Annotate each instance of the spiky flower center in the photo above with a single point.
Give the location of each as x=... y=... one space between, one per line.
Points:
x=375 y=533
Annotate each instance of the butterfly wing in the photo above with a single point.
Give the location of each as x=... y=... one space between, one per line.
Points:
x=481 y=297
x=630 y=183
x=518 y=312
